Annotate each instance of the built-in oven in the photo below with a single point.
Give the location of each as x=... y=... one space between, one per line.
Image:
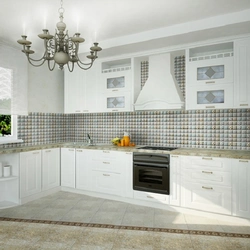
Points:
x=151 y=171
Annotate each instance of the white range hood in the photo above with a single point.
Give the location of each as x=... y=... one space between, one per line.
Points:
x=161 y=90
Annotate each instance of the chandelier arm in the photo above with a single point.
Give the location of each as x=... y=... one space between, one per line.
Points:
x=30 y=61
x=85 y=65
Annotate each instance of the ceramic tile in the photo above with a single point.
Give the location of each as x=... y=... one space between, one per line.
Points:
x=211 y=242
x=108 y=217
x=79 y=215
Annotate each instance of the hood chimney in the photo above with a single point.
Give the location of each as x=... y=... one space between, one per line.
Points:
x=161 y=90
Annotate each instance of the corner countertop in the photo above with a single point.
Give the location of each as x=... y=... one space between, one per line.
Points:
x=233 y=154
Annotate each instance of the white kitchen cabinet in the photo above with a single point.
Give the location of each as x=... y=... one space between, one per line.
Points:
x=218 y=96
x=211 y=71
x=206 y=184
x=74 y=90
x=30 y=173
x=151 y=197
x=112 y=173
x=116 y=102
x=9 y=186
x=50 y=168
x=81 y=93
x=118 y=81
x=175 y=180
x=116 y=86
x=210 y=77
x=242 y=73
x=211 y=198
x=83 y=168
x=241 y=187
x=68 y=167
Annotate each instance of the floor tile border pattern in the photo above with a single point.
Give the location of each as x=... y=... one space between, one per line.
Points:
x=109 y=226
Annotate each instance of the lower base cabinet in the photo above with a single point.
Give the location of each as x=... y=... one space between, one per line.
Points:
x=241 y=187
x=68 y=167
x=39 y=171
x=83 y=168
x=108 y=183
x=30 y=173
x=112 y=173
x=175 y=180
x=50 y=168
x=208 y=198
x=152 y=197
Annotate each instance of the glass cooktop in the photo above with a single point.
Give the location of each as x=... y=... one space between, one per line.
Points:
x=157 y=148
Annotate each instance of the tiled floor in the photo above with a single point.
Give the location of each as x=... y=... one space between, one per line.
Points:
x=64 y=206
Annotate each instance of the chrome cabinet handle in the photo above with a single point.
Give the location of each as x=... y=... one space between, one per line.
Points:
x=244 y=104
x=210 y=107
x=71 y=150
x=34 y=153
x=105 y=174
x=176 y=156
x=210 y=82
x=210 y=188
x=105 y=151
x=47 y=151
x=106 y=162
x=149 y=197
x=79 y=150
x=207 y=172
x=243 y=160
x=207 y=158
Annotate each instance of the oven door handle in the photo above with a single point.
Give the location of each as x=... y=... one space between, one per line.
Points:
x=145 y=164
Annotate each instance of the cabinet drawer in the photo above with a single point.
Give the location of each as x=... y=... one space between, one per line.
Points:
x=212 y=71
x=99 y=155
x=211 y=198
x=206 y=163
x=208 y=177
x=152 y=197
x=108 y=183
x=112 y=166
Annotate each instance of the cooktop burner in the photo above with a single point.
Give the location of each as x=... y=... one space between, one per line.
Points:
x=157 y=148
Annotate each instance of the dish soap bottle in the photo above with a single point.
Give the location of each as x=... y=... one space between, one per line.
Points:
x=126 y=139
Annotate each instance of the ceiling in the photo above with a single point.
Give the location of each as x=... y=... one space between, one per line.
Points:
x=126 y=26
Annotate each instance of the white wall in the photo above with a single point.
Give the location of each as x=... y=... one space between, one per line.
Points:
x=45 y=90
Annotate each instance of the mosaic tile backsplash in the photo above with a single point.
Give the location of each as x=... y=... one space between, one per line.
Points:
x=214 y=129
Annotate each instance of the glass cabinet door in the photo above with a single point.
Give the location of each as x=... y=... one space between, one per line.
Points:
x=210 y=96
x=211 y=72
x=116 y=102
x=115 y=82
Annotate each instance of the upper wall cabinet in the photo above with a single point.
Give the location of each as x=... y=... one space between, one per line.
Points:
x=80 y=90
x=116 y=86
x=210 y=76
x=242 y=73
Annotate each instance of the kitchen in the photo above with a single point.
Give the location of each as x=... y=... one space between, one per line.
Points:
x=58 y=114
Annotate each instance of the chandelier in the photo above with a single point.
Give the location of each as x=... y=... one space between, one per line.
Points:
x=60 y=49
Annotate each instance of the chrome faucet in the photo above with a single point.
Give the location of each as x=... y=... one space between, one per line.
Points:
x=90 y=141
